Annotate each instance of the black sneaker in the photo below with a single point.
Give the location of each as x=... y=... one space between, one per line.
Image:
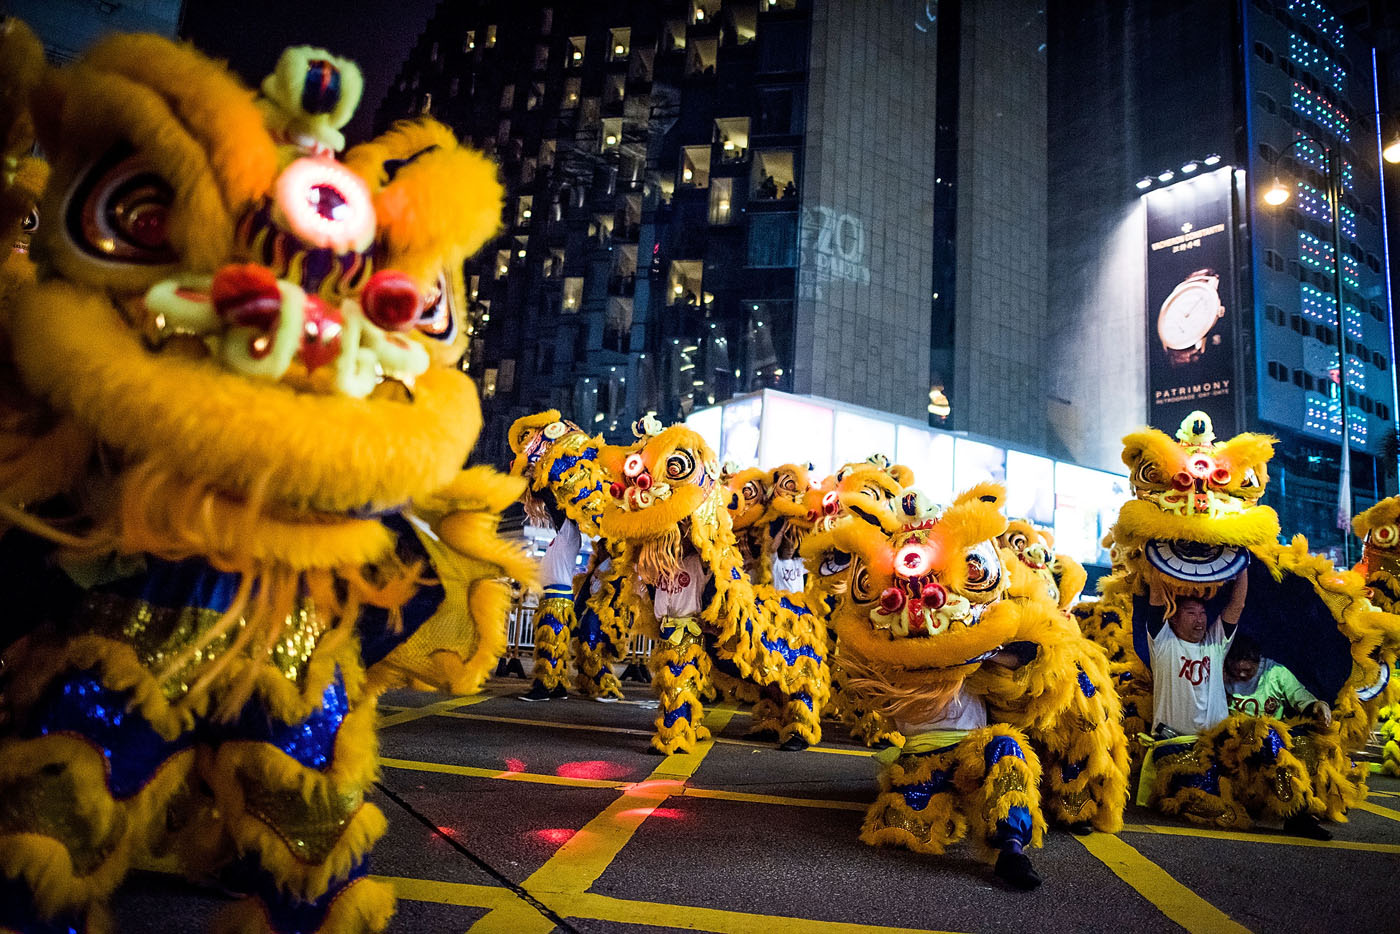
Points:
x=559 y=693
x=1306 y=825
x=1080 y=828
x=793 y=743
x=1017 y=871
x=537 y=692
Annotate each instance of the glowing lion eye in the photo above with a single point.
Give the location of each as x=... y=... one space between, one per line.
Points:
x=914 y=559
x=1018 y=540
x=326 y=205
x=679 y=465
x=752 y=492
x=1385 y=535
x=633 y=465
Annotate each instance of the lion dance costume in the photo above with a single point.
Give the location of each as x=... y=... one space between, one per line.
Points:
x=1379 y=530
x=231 y=468
x=1194 y=523
x=1008 y=711
x=755 y=643
x=567 y=483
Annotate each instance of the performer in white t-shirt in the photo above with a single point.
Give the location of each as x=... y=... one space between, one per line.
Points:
x=1188 y=664
x=789 y=573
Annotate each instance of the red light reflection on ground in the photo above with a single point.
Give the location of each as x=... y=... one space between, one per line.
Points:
x=447 y=831
x=515 y=765
x=554 y=835
x=594 y=769
x=644 y=813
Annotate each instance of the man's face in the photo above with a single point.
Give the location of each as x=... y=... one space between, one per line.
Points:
x=1242 y=669
x=1189 y=623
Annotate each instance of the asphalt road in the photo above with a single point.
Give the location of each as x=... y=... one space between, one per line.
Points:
x=514 y=817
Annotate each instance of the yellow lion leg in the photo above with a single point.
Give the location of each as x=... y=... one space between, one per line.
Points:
x=800 y=718
x=65 y=841
x=554 y=624
x=919 y=806
x=295 y=809
x=595 y=676
x=998 y=774
x=766 y=719
x=677 y=677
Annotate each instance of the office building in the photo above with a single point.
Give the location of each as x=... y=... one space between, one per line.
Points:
x=1174 y=285
x=710 y=198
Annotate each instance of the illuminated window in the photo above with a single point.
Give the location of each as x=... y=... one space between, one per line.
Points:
x=731 y=134
x=571 y=93
x=524 y=210
x=703 y=53
x=773 y=176
x=721 y=200
x=573 y=294
x=695 y=167
x=683 y=284
x=491 y=37
x=469 y=41
x=620 y=44
x=574 y=53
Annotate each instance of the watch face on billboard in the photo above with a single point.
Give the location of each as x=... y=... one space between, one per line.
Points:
x=1190 y=297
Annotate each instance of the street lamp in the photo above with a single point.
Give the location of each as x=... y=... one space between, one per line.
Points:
x=1275 y=195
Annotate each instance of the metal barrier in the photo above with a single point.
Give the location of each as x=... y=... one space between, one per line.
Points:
x=520 y=643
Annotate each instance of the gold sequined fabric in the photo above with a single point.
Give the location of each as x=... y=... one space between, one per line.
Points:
x=161 y=633
x=42 y=803
x=309 y=828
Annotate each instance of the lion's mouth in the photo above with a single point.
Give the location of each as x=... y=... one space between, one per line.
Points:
x=1195 y=564
x=261 y=327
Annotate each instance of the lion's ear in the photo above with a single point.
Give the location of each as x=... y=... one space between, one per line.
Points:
x=985 y=492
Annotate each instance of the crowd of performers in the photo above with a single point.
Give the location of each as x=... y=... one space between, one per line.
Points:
x=234 y=509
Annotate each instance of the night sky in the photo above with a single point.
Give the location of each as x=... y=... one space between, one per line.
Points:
x=250 y=34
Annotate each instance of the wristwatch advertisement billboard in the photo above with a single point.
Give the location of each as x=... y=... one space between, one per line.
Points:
x=1192 y=311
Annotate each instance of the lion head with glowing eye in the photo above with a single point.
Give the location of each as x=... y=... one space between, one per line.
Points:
x=560 y=461
x=916 y=587
x=868 y=485
x=241 y=313
x=666 y=495
x=1379 y=530
x=749 y=493
x=1062 y=576
x=1196 y=509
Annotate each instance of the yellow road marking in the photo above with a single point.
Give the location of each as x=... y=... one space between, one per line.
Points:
x=686 y=791
x=576 y=865
x=723 y=795
x=1173 y=899
x=503 y=774
x=687 y=917
x=449 y=893
x=1280 y=839
x=431 y=710
x=628 y=911
x=633 y=731
x=1377 y=809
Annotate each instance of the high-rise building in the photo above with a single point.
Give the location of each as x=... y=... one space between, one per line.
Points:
x=1175 y=286
x=706 y=198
